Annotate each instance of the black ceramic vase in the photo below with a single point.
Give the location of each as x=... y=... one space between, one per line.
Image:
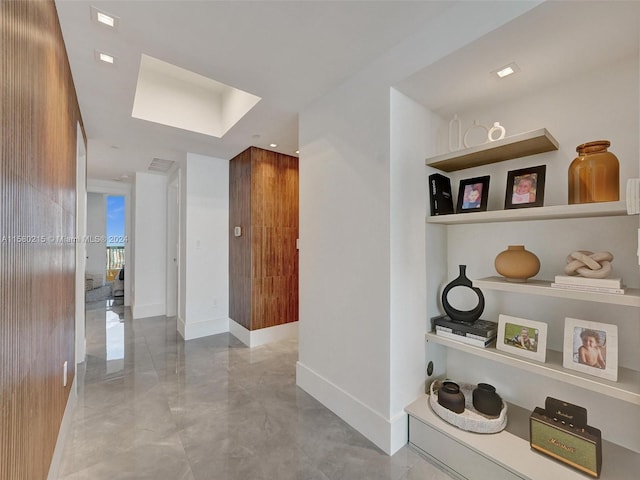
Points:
x=486 y=400
x=450 y=397
x=460 y=315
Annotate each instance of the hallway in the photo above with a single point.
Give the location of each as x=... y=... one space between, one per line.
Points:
x=151 y=406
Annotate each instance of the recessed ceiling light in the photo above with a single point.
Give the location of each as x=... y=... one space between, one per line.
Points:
x=106 y=58
x=506 y=70
x=273 y=145
x=104 y=18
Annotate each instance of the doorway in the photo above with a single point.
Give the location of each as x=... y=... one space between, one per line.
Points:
x=173 y=246
x=116 y=240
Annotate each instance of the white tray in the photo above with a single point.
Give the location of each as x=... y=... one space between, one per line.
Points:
x=470 y=420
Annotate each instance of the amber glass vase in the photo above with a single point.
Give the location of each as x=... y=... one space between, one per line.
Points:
x=594 y=174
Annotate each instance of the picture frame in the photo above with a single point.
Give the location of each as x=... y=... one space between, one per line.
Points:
x=591 y=347
x=473 y=194
x=523 y=337
x=525 y=187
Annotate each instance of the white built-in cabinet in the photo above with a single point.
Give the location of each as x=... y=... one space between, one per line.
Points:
x=507 y=455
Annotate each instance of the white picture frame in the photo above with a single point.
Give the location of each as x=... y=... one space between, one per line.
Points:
x=600 y=359
x=523 y=337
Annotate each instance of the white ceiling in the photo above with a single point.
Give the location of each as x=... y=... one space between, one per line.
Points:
x=552 y=42
x=288 y=52
x=292 y=52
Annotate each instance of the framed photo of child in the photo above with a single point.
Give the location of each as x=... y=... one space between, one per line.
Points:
x=523 y=337
x=473 y=194
x=591 y=347
x=525 y=187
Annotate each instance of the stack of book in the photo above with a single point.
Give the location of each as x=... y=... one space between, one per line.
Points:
x=584 y=284
x=480 y=333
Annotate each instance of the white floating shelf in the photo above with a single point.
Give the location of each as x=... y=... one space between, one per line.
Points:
x=509 y=450
x=631 y=297
x=515 y=146
x=583 y=210
x=627 y=388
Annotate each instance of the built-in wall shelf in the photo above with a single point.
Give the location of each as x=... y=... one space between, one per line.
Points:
x=627 y=388
x=503 y=455
x=583 y=210
x=515 y=146
x=630 y=298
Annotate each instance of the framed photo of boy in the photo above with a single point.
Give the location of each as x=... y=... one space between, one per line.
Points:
x=473 y=194
x=525 y=187
x=523 y=337
x=591 y=347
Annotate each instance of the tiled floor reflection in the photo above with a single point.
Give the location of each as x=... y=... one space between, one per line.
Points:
x=151 y=406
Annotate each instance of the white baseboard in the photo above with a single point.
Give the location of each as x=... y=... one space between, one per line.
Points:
x=148 y=310
x=191 y=330
x=253 y=338
x=63 y=432
x=388 y=434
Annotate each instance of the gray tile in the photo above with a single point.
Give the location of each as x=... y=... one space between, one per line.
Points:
x=208 y=409
x=152 y=460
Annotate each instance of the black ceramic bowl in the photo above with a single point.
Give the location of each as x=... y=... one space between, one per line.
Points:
x=450 y=397
x=486 y=400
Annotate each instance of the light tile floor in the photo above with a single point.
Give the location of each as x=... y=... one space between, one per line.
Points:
x=151 y=406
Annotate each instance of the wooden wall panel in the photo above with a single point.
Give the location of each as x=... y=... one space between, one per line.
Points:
x=271 y=198
x=39 y=113
x=240 y=247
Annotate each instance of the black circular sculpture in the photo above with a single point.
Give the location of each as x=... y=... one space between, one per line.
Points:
x=454 y=314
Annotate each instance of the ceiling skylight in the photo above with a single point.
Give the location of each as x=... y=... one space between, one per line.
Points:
x=176 y=97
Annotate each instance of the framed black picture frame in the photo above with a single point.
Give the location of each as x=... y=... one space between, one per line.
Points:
x=473 y=194
x=525 y=187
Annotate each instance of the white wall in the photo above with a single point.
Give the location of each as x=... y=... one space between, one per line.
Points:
x=412 y=128
x=344 y=352
x=351 y=326
x=96 y=229
x=150 y=232
x=205 y=276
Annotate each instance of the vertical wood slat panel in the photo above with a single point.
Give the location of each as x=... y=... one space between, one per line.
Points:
x=267 y=295
x=39 y=114
x=240 y=247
